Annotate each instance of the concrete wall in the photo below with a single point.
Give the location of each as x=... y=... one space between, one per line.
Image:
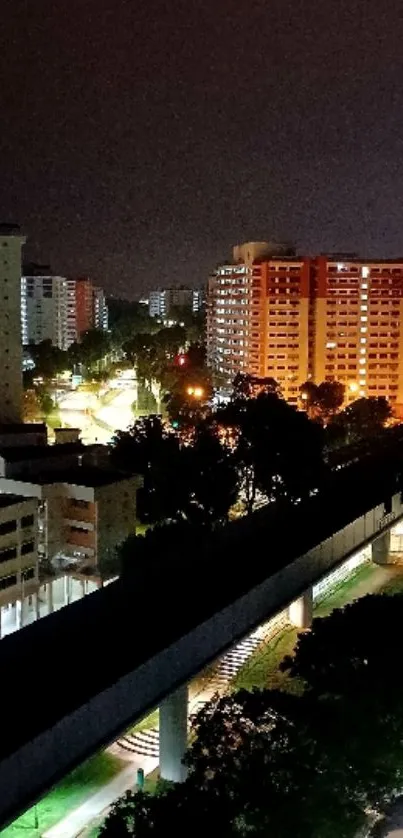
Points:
x=116 y=514
x=28 y=772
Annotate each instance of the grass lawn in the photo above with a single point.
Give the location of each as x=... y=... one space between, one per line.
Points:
x=148 y=722
x=261 y=669
x=394 y=585
x=346 y=591
x=67 y=795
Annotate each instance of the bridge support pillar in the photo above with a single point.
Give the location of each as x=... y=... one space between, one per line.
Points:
x=381 y=549
x=49 y=594
x=173 y=735
x=300 y=611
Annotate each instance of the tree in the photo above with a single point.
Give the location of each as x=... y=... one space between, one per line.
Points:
x=349 y=664
x=255 y=768
x=196 y=482
x=31 y=407
x=213 y=475
x=189 y=390
x=322 y=401
x=128 y=318
x=151 y=450
x=364 y=418
x=352 y=648
x=245 y=386
x=49 y=360
x=142 y=352
x=92 y=349
x=276 y=448
x=37 y=404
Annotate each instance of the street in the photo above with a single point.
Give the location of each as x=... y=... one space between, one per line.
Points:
x=98 y=422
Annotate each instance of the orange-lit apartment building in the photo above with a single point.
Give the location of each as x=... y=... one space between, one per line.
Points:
x=292 y=318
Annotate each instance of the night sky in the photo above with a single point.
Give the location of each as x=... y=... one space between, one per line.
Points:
x=140 y=139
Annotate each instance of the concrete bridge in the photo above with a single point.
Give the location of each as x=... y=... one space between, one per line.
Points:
x=75 y=680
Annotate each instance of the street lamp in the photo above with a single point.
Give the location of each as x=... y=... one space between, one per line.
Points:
x=196 y=392
x=353 y=386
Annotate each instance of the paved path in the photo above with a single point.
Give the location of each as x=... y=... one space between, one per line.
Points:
x=78 y=819
x=394 y=823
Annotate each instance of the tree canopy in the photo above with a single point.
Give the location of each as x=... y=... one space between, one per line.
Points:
x=322 y=401
x=363 y=418
x=313 y=764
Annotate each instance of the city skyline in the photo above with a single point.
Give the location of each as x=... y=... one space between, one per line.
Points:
x=141 y=145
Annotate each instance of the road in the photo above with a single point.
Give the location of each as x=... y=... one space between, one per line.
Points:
x=97 y=423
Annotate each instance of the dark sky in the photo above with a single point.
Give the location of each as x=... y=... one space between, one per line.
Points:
x=140 y=139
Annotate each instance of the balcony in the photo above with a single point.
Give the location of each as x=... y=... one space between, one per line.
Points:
x=80 y=523
x=76 y=511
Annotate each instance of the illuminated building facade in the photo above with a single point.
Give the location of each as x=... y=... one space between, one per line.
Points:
x=333 y=318
x=11 y=242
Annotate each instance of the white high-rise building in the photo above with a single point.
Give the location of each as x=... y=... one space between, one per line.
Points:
x=162 y=302
x=100 y=309
x=44 y=310
x=11 y=242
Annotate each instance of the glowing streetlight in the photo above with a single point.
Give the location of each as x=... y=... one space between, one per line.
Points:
x=353 y=386
x=196 y=392
x=304 y=397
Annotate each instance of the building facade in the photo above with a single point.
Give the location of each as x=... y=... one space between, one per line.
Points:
x=59 y=309
x=44 y=307
x=11 y=242
x=84 y=306
x=329 y=318
x=162 y=302
x=100 y=309
x=85 y=508
x=18 y=544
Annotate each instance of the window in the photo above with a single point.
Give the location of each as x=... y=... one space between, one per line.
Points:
x=27 y=521
x=29 y=573
x=8 y=526
x=28 y=547
x=8 y=582
x=81 y=504
x=8 y=554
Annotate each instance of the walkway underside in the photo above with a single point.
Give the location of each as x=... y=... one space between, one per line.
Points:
x=74 y=681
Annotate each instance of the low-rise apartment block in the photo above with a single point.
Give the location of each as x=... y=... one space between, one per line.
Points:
x=18 y=545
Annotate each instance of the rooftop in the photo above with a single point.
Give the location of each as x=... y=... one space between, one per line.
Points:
x=23 y=428
x=89 y=476
x=7 y=229
x=17 y=453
